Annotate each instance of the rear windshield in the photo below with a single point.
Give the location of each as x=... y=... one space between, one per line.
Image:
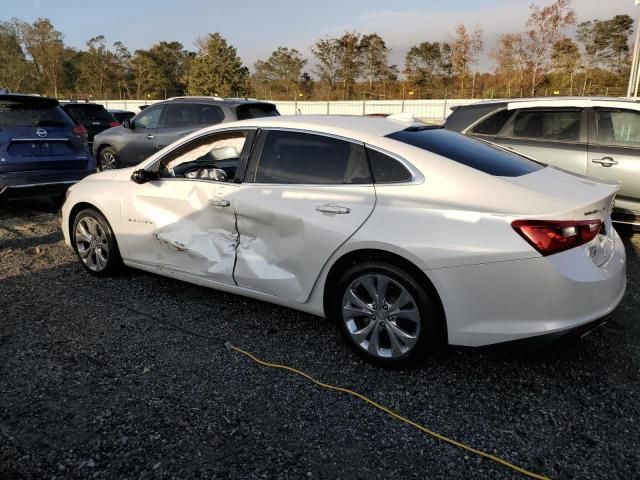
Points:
x=468 y=151
x=32 y=114
x=246 y=112
x=88 y=114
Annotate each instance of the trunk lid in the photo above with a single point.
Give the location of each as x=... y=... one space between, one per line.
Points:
x=577 y=198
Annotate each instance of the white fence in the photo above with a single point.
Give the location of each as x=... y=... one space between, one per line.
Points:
x=432 y=110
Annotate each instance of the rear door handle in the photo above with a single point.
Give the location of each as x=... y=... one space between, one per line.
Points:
x=219 y=203
x=150 y=137
x=335 y=209
x=605 y=161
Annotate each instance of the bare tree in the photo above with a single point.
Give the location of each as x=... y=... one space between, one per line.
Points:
x=509 y=57
x=464 y=52
x=545 y=27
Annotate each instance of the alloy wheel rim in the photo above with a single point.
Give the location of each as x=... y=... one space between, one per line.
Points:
x=91 y=243
x=107 y=161
x=381 y=316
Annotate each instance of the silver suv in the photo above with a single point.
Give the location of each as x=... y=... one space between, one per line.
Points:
x=598 y=137
x=165 y=122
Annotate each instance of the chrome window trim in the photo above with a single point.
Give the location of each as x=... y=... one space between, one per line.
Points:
x=416 y=175
x=193 y=139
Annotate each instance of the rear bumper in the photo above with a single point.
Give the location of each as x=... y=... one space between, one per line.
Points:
x=37 y=183
x=504 y=301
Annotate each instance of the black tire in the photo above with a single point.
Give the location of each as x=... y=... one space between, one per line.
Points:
x=108 y=159
x=103 y=231
x=429 y=336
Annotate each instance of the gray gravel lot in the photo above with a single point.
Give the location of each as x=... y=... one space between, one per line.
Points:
x=104 y=378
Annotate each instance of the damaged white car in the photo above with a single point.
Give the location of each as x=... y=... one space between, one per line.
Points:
x=408 y=235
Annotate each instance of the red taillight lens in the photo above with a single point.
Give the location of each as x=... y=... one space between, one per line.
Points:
x=80 y=130
x=549 y=237
x=114 y=124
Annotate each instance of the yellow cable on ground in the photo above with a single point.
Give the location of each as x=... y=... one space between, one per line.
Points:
x=391 y=413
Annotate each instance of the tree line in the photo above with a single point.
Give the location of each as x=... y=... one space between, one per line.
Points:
x=542 y=59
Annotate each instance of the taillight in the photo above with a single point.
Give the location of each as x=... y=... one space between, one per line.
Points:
x=114 y=124
x=80 y=130
x=549 y=237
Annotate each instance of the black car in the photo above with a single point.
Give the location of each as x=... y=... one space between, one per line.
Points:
x=122 y=115
x=165 y=122
x=94 y=117
x=42 y=151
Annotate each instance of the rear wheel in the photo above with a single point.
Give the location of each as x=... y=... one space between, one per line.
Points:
x=108 y=159
x=386 y=316
x=95 y=244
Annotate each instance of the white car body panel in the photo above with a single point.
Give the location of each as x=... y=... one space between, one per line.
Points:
x=452 y=222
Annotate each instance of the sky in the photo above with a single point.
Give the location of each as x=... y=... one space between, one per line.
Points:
x=256 y=28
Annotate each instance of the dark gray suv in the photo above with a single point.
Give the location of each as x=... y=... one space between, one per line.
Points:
x=165 y=122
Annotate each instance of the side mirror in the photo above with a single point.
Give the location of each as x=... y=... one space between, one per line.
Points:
x=127 y=123
x=143 y=176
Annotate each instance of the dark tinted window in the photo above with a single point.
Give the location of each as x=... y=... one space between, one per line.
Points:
x=179 y=115
x=245 y=112
x=209 y=114
x=292 y=157
x=31 y=114
x=563 y=125
x=468 y=151
x=493 y=124
x=89 y=114
x=618 y=127
x=387 y=169
x=149 y=118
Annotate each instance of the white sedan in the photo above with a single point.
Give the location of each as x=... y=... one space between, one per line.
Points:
x=408 y=235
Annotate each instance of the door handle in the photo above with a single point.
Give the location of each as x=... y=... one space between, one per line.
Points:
x=219 y=203
x=150 y=137
x=334 y=209
x=605 y=161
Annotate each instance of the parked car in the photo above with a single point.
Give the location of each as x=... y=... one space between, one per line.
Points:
x=93 y=116
x=599 y=137
x=122 y=115
x=42 y=151
x=165 y=122
x=384 y=226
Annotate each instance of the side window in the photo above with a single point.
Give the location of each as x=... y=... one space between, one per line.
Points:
x=617 y=127
x=209 y=114
x=214 y=157
x=493 y=124
x=179 y=115
x=387 y=169
x=305 y=158
x=149 y=118
x=559 y=125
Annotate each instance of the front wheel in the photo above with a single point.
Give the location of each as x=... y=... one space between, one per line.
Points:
x=108 y=159
x=95 y=244
x=386 y=316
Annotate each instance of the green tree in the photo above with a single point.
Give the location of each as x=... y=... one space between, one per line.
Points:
x=16 y=71
x=565 y=59
x=375 y=55
x=217 y=69
x=349 y=61
x=327 y=52
x=422 y=64
x=281 y=71
x=46 y=47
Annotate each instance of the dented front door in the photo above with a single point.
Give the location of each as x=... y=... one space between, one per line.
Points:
x=288 y=232
x=184 y=226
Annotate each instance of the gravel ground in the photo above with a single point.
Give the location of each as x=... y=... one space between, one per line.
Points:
x=128 y=378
